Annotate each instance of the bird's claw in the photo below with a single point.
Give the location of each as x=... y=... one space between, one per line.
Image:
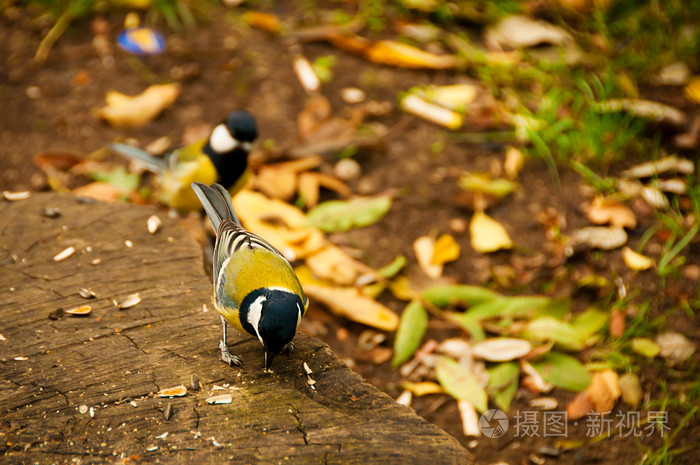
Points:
x=227 y=357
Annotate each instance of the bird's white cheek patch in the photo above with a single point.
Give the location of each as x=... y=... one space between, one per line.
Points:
x=254 y=314
x=221 y=140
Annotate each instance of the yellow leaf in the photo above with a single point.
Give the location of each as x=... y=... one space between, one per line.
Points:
x=604 y=391
x=390 y=52
x=445 y=250
x=309 y=189
x=434 y=113
x=424 y=249
x=132 y=111
x=265 y=21
x=514 y=162
x=332 y=264
x=454 y=97
x=276 y=182
x=636 y=261
x=401 y=289
x=606 y=211
x=692 y=89
x=350 y=303
x=281 y=224
x=487 y=234
x=422 y=388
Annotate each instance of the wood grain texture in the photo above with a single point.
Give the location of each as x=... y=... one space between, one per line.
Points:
x=113 y=362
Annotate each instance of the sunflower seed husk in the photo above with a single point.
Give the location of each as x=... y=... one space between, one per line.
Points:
x=50 y=212
x=130 y=301
x=167 y=411
x=15 y=196
x=177 y=391
x=80 y=311
x=194 y=382
x=86 y=293
x=220 y=399
x=64 y=254
x=153 y=223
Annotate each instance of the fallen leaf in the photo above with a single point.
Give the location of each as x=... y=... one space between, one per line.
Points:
x=514 y=162
x=636 y=261
x=393 y=53
x=441 y=116
x=332 y=264
x=264 y=21
x=518 y=31
x=589 y=322
x=501 y=349
x=482 y=183
x=488 y=235
x=306 y=74
x=657 y=112
x=281 y=224
x=606 y=211
x=662 y=165
x=459 y=295
x=349 y=302
x=100 y=191
x=125 y=111
x=617 y=323
x=599 y=237
x=470 y=420
x=653 y=196
x=393 y=268
x=563 y=371
x=631 y=389
x=342 y=215
x=455 y=97
x=676 y=74
x=309 y=189
x=674 y=347
x=412 y=326
x=692 y=89
x=276 y=182
x=445 y=250
x=562 y=333
x=646 y=347
x=460 y=383
x=533 y=380
x=422 y=388
x=579 y=407
x=603 y=391
x=424 y=248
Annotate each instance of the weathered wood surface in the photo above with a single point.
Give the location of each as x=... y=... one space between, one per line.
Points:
x=114 y=361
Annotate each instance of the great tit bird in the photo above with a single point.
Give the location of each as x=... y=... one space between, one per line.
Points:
x=255 y=287
x=222 y=158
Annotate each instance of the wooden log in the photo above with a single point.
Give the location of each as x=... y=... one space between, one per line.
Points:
x=86 y=387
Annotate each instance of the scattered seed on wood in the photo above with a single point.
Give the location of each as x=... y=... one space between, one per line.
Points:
x=549 y=451
x=15 y=196
x=64 y=254
x=80 y=311
x=21 y=359
x=194 y=382
x=57 y=314
x=167 y=411
x=2 y=338
x=307 y=368
x=86 y=293
x=133 y=404
x=130 y=301
x=177 y=391
x=162 y=436
x=310 y=381
x=83 y=409
x=92 y=412
x=214 y=443
x=352 y=94
x=220 y=399
x=405 y=398
x=128 y=243
x=96 y=261
x=152 y=448
x=50 y=212
x=153 y=223
x=536 y=459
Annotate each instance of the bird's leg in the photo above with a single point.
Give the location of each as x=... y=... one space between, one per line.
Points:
x=226 y=355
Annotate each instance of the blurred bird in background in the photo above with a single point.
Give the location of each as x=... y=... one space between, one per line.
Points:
x=222 y=158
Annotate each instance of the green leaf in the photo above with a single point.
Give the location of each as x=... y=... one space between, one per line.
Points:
x=482 y=183
x=590 y=321
x=460 y=383
x=469 y=324
x=342 y=215
x=459 y=295
x=412 y=326
x=502 y=375
x=645 y=346
x=563 y=371
x=393 y=268
x=551 y=329
x=522 y=306
x=504 y=397
x=118 y=177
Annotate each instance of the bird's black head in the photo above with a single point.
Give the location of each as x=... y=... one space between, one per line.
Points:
x=242 y=126
x=272 y=314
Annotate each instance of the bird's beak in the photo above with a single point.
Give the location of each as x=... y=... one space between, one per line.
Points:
x=268 y=359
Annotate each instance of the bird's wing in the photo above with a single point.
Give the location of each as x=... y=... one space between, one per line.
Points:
x=154 y=164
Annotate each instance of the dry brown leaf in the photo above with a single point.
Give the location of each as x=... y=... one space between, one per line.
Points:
x=332 y=183
x=603 y=391
x=631 y=389
x=657 y=167
x=390 y=52
x=692 y=89
x=454 y=96
x=616 y=327
x=607 y=211
x=501 y=349
x=599 y=237
x=424 y=249
x=579 y=406
x=265 y=21
x=124 y=111
x=674 y=347
x=656 y=111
